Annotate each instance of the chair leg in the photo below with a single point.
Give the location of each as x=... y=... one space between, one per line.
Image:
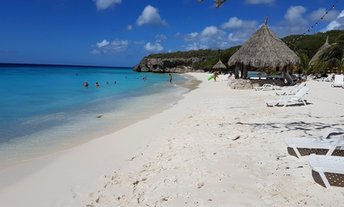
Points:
x=285 y=103
x=323 y=177
x=330 y=151
x=297 y=152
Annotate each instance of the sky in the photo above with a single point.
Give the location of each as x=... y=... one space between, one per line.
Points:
x=122 y=32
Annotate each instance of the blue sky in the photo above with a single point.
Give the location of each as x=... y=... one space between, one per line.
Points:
x=121 y=32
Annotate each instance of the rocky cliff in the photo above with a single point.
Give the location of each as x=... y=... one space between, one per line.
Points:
x=167 y=65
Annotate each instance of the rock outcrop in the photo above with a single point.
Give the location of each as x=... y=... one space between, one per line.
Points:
x=167 y=65
x=240 y=84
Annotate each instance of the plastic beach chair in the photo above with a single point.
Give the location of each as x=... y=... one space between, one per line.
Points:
x=332 y=143
x=296 y=99
x=266 y=87
x=327 y=170
x=329 y=78
x=291 y=90
x=338 y=81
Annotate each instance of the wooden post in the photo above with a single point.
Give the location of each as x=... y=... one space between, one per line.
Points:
x=236 y=71
x=246 y=74
x=242 y=71
x=245 y=71
x=286 y=76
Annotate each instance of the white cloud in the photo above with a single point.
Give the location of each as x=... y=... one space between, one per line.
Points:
x=119 y=45
x=236 y=23
x=191 y=36
x=233 y=38
x=95 y=52
x=317 y=14
x=153 y=47
x=114 y=46
x=294 y=22
x=239 y=30
x=295 y=14
x=285 y=29
x=212 y=37
x=209 y=37
x=209 y=31
x=130 y=27
x=337 y=24
x=234 y=31
x=103 y=43
x=259 y=1
x=160 y=38
x=150 y=15
x=104 y=4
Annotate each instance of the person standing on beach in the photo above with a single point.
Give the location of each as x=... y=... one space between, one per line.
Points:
x=170 y=77
x=215 y=75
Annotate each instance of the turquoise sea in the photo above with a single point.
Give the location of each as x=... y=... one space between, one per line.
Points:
x=46 y=108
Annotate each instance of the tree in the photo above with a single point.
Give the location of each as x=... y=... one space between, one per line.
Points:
x=341 y=67
x=304 y=61
x=331 y=59
x=340 y=40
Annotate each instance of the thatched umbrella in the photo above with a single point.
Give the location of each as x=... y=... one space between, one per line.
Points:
x=321 y=51
x=219 y=66
x=264 y=50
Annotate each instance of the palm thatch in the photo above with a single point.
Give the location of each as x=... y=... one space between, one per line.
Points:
x=219 y=65
x=321 y=51
x=264 y=50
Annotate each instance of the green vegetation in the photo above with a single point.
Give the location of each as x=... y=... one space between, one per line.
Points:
x=209 y=57
x=330 y=60
x=307 y=46
x=304 y=46
x=333 y=58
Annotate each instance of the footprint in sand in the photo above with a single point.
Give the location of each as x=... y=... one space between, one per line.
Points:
x=200 y=185
x=75 y=191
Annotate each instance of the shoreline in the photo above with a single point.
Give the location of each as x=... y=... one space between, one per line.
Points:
x=214 y=147
x=87 y=128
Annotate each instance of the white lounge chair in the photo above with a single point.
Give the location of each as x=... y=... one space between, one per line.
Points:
x=310 y=77
x=267 y=87
x=338 y=81
x=296 y=99
x=291 y=90
x=329 y=78
x=332 y=143
x=327 y=170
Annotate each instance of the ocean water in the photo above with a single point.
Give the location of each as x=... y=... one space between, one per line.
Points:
x=46 y=108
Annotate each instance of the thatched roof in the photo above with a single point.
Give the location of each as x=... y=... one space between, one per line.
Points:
x=321 y=51
x=264 y=50
x=219 y=65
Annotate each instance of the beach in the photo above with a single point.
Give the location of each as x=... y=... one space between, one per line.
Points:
x=215 y=147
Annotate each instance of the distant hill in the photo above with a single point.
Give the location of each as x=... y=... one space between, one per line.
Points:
x=310 y=44
x=305 y=47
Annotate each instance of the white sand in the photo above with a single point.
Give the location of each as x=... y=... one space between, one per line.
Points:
x=216 y=147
